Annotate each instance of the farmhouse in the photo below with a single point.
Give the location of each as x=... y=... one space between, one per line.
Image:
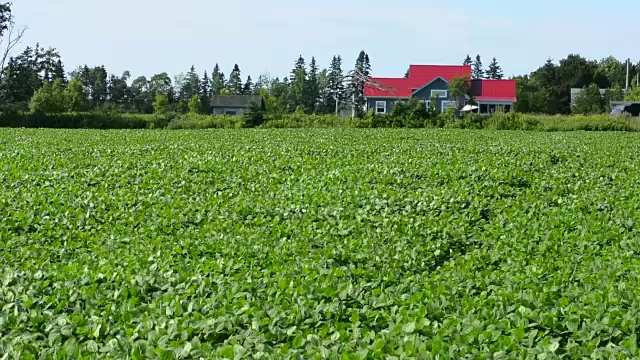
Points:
x=234 y=104
x=427 y=81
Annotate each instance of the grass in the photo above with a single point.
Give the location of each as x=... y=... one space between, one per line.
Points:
x=325 y=243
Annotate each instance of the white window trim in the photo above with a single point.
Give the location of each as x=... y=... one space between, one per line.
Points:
x=444 y=103
x=446 y=93
x=427 y=104
x=384 y=103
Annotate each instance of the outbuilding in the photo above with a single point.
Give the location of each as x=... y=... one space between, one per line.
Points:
x=234 y=104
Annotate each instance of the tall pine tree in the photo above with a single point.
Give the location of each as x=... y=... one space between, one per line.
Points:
x=58 y=73
x=362 y=70
x=312 y=91
x=205 y=93
x=467 y=61
x=494 y=71
x=188 y=85
x=324 y=93
x=477 y=72
x=235 y=81
x=297 y=93
x=335 y=84
x=217 y=81
x=248 y=86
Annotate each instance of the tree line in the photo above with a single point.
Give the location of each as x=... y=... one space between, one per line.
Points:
x=36 y=79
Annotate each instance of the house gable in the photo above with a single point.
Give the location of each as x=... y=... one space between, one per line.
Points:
x=424 y=93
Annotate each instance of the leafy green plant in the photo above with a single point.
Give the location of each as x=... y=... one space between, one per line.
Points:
x=322 y=243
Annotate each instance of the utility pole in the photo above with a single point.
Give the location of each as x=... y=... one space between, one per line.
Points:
x=628 y=61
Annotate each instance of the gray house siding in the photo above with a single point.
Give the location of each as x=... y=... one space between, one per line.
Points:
x=223 y=111
x=425 y=94
x=234 y=104
x=371 y=103
x=422 y=94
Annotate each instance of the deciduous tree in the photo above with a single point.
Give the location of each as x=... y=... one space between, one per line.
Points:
x=76 y=99
x=589 y=101
x=161 y=104
x=195 y=105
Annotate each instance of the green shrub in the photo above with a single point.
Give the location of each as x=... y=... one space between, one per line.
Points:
x=299 y=120
x=195 y=121
x=589 y=123
x=83 y=121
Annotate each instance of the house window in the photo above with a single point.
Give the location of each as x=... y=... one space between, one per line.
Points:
x=230 y=112
x=381 y=107
x=428 y=104
x=448 y=104
x=442 y=94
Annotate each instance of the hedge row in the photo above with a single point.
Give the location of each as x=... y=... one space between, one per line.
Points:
x=511 y=121
x=83 y=121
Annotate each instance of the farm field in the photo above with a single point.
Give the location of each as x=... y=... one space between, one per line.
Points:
x=313 y=244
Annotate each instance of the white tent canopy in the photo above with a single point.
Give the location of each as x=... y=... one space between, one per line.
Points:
x=469 y=108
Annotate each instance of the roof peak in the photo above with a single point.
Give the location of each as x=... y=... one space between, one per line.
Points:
x=440 y=65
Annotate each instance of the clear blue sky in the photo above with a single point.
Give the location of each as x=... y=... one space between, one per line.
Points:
x=151 y=36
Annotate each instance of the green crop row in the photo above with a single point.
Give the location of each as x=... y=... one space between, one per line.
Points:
x=319 y=244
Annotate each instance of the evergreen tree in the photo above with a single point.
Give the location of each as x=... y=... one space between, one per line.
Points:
x=247 y=89
x=58 y=73
x=312 y=91
x=325 y=106
x=335 y=84
x=362 y=69
x=217 y=81
x=406 y=74
x=298 y=85
x=205 y=92
x=189 y=85
x=467 y=61
x=477 y=72
x=494 y=71
x=235 y=81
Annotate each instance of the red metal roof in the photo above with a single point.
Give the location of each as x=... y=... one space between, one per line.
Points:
x=496 y=90
x=427 y=73
x=421 y=75
x=400 y=86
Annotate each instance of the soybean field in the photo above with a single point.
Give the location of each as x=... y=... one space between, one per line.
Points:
x=319 y=244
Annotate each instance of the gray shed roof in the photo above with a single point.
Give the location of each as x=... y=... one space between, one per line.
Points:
x=235 y=101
